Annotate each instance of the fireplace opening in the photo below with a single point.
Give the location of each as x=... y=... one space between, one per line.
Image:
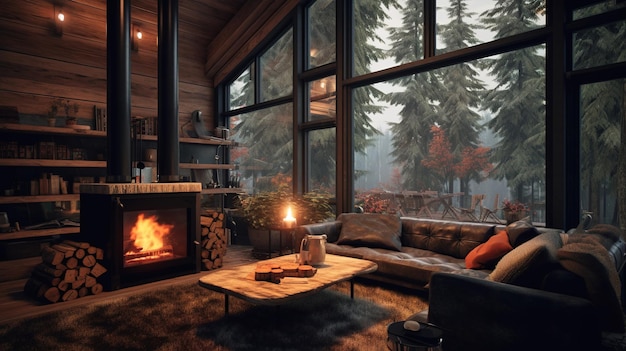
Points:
x=155 y=235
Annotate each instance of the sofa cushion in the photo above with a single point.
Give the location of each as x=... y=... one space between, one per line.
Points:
x=487 y=254
x=450 y=238
x=411 y=265
x=520 y=232
x=370 y=230
x=527 y=264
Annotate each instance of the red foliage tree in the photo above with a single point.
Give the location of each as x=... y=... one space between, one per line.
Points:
x=440 y=158
x=474 y=161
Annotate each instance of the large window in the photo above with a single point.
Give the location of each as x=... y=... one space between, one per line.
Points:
x=476 y=127
x=322 y=22
x=450 y=132
x=276 y=68
x=453 y=99
x=600 y=45
x=472 y=22
x=241 y=91
x=264 y=150
x=601 y=115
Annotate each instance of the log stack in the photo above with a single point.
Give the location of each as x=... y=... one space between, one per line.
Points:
x=213 y=239
x=68 y=270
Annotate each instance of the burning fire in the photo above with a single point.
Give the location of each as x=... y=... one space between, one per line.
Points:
x=148 y=234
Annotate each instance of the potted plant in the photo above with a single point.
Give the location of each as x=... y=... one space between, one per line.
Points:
x=71 y=109
x=514 y=210
x=264 y=213
x=53 y=111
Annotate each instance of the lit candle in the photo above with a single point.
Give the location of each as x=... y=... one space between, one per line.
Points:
x=289 y=222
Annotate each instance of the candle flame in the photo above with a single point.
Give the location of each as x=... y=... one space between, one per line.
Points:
x=289 y=215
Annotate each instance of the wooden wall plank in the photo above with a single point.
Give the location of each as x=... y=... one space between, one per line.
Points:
x=38 y=65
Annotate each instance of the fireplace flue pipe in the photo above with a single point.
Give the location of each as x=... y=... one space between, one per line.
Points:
x=118 y=92
x=167 y=145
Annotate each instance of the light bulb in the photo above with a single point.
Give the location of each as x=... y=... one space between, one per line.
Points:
x=61 y=16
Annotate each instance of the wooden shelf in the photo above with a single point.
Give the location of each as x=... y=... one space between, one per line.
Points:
x=23 y=234
x=33 y=129
x=23 y=162
x=38 y=198
x=28 y=128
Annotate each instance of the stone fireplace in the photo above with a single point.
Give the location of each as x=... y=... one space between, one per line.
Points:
x=148 y=231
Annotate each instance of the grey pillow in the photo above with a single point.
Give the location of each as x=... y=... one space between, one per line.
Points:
x=374 y=230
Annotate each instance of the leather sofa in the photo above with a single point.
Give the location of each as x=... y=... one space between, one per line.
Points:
x=526 y=299
x=427 y=246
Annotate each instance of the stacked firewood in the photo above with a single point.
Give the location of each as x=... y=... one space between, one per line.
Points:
x=68 y=270
x=213 y=240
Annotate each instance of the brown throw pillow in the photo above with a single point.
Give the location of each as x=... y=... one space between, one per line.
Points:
x=520 y=232
x=371 y=230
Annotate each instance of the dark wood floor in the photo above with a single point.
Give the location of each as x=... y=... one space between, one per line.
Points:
x=14 y=304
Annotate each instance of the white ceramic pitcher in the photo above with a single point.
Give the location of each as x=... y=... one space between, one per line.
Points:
x=313 y=250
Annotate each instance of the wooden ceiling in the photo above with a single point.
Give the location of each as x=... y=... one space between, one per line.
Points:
x=227 y=29
x=205 y=18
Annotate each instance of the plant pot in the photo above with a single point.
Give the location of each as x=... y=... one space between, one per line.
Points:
x=52 y=121
x=259 y=239
x=511 y=217
x=70 y=122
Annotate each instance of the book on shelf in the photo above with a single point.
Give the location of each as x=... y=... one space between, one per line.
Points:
x=100 y=114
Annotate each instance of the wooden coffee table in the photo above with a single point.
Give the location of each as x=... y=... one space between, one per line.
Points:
x=239 y=281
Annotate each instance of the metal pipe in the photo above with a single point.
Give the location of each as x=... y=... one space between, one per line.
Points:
x=118 y=92
x=168 y=143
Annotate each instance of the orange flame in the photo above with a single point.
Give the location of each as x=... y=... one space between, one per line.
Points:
x=289 y=215
x=289 y=221
x=148 y=234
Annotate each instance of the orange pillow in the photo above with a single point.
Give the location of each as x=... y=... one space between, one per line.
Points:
x=487 y=254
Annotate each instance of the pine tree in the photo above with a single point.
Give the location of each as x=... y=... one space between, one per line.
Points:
x=462 y=89
x=369 y=16
x=603 y=119
x=418 y=101
x=518 y=100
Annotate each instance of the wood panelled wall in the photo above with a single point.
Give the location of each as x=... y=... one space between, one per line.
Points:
x=37 y=65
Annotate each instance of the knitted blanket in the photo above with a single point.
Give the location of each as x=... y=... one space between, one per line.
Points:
x=589 y=259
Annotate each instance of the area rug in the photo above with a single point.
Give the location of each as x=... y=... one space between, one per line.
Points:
x=188 y=317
